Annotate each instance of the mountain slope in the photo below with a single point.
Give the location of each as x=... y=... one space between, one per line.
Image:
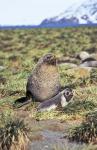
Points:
x=85 y=13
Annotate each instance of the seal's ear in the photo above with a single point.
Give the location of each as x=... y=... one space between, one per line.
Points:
x=65 y=87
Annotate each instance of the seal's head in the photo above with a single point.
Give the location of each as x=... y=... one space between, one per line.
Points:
x=49 y=59
x=68 y=93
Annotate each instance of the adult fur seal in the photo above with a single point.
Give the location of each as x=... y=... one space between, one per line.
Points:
x=44 y=81
x=61 y=99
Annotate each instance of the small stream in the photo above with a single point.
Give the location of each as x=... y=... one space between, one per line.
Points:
x=51 y=137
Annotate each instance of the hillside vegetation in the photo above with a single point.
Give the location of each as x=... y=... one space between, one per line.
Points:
x=21 y=49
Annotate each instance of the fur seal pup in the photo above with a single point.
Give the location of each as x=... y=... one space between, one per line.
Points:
x=61 y=99
x=44 y=81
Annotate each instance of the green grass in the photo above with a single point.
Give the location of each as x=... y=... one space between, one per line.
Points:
x=21 y=49
x=19 y=53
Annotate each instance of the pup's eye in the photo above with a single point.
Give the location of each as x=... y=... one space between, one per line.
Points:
x=48 y=57
x=67 y=93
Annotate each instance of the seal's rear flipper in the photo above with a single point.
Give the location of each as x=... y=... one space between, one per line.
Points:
x=21 y=102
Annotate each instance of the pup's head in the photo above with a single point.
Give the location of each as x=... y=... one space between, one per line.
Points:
x=67 y=93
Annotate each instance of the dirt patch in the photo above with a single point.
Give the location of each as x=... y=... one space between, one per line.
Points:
x=37 y=137
x=56 y=127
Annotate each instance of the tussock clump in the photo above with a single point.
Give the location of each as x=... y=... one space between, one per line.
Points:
x=13 y=136
x=79 y=107
x=87 y=131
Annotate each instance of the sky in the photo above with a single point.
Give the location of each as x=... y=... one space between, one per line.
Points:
x=30 y=12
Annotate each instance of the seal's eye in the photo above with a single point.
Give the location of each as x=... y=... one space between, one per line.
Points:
x=48 y=57
x=67 y=93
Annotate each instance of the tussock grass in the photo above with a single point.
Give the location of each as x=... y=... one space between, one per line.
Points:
x=13 y=132
x=87 y=131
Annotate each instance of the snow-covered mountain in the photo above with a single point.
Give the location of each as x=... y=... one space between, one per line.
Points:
x=85 y=13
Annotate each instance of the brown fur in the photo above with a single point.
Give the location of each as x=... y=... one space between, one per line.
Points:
x=44 y=81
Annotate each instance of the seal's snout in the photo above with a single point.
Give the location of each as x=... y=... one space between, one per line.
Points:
x=50 y=59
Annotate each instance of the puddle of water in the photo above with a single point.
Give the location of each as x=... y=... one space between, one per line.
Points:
x=53 y=141
x=52 y=133
x=50 y=139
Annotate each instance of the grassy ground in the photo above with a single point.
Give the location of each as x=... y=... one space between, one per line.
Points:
x=20 y=51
